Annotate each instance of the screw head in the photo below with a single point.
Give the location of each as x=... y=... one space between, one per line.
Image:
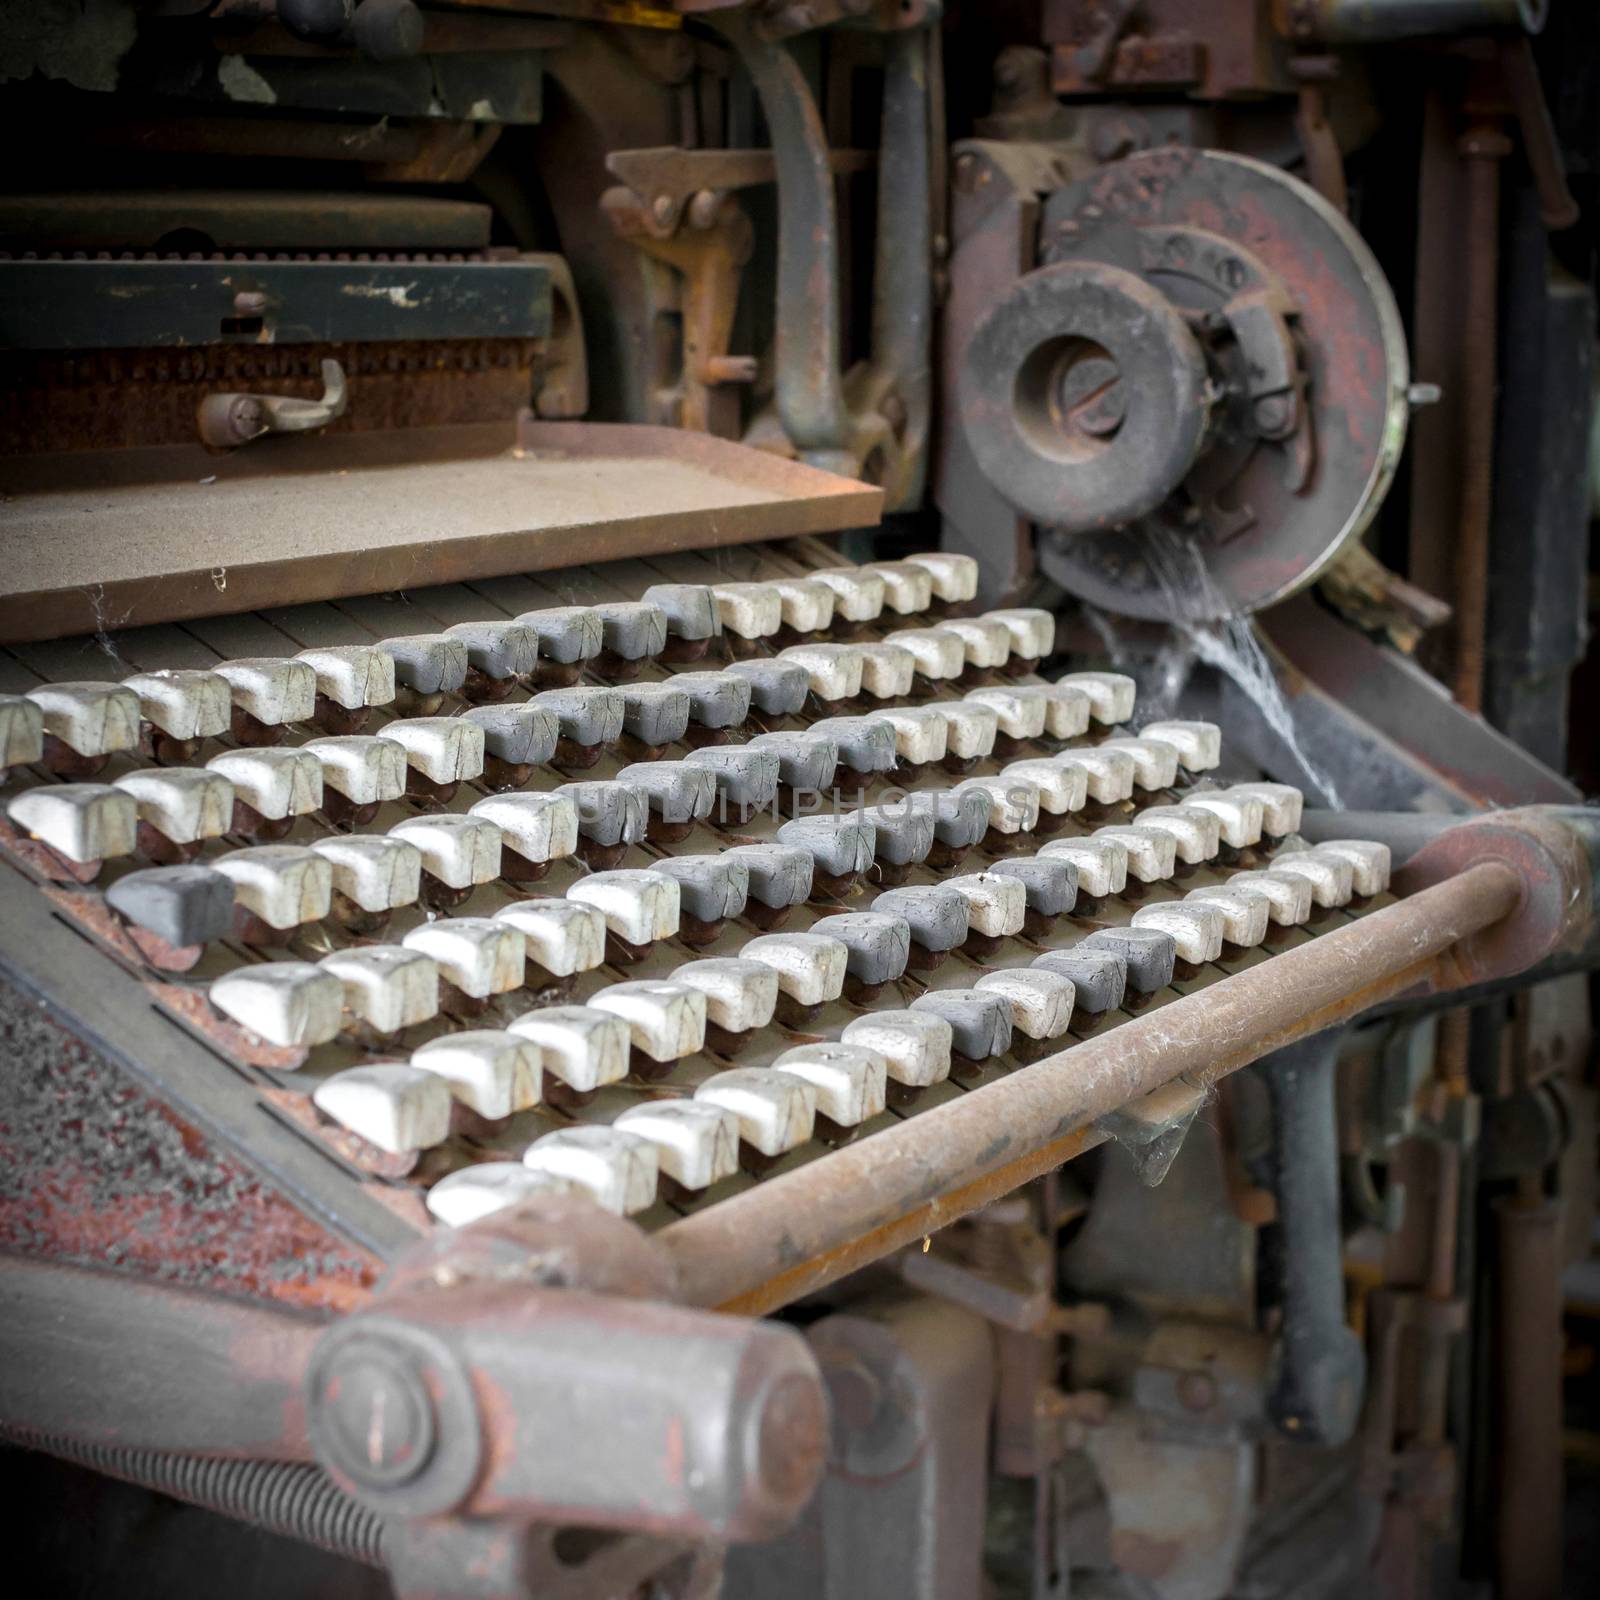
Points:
x=376 y=1417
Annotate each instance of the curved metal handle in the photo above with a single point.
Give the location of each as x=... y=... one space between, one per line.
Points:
x=230 y=420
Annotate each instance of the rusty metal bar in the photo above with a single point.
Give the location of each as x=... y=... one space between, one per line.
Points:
x=797 y=1232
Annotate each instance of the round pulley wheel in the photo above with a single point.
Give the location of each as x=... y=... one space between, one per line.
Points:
x=1084 y=396
x=1306 y=357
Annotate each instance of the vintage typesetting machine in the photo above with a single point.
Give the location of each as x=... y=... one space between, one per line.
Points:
x=793 y=798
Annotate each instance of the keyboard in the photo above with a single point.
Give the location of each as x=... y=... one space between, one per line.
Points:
x=648 y=880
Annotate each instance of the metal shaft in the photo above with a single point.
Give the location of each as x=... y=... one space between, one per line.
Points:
x=794 y=1233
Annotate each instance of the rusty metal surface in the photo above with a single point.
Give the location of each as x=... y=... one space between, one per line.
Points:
x=776 y=1241
x=95 y=1171
x=313 y=518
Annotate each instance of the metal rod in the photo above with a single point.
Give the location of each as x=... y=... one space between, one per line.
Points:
x=797 y=1232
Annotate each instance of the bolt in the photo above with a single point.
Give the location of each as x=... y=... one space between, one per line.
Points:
x=377 y=1417
x=1423 y=394
x=1271 y=412
x=661 y=209
x=703 y=209
x=1115 y=137
x=249 y=303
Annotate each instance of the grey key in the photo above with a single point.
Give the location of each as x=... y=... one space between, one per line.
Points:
x=839 y=846
x=587 y=716
x=181 y=905
x=1100 y=976
x=654 y=713
x=427 y=663
x=522 y=735
x=709 y=887
x=938 y=916
x=904 y=833
x=1052 y=885
x=609 y=812
x=716 y=699
x=565 y=633
x=807 y=761
x=779 y=688
x=980 y=1023
x=632 y=629
x=1148 y=952
x=866 y=744
x=960 y=816
x=780 y=875
x=690 y=609
x=498 y=649
x=677 y=791
x=745 y=776
x=879 y=944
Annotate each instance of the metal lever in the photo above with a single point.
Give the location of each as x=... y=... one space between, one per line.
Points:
x=230 y=420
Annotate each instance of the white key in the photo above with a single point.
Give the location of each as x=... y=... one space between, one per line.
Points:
x=394 y=1106
x=275 y=782
x=563 y=936
x=1063 y=786
x=540 y=827
x=1332 y=880
x=851 y=1081
x=985 y=643
x=810 y=966
x=288 y=1003
x=1369 y=862
x=1033 y=631
x=81 y=821
x=807 y=603
x=1155 y=763
x=1289 y=896
x=475 y=1192
x=1040 y=1001
x=938 y=655
x=273 y=689
x=1111 y=694
x=442 y=749
x=1102 y=863
x=365 y=769
x=776 y=1111
x=955 y=577
x=1013 y=802
x=915 y=1045
x=886 y=670
x=186 y=804
x=995 y=906
x=1152 y=852
x=750 y=610
x=1196 y=929
x=833 y=670
x=1019 y=715
x=973 y=727
x=374 y=870
x=21 y=731
x=352 y=675
x=1281 y=805
x=1196 y=832
x=1066 y=710
x=1199 y=744
x=495 y=1073
x=1244 y=912
x=586 y=1049
x=858 y=595
x=667 y=1021
x=1241 y=816
x=284 y=885
x=95 y=719
x=1107 y=774
x=907 y=588
x=740 y=993
x=458 y=850
x=386 y=986
x=616 y=1169
x=186 y=704
x=479 y=955
x=696 y=1143
x=639 y=906
x=921 y=734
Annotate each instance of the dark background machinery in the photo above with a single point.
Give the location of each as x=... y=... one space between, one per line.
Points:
x=1256 y=339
